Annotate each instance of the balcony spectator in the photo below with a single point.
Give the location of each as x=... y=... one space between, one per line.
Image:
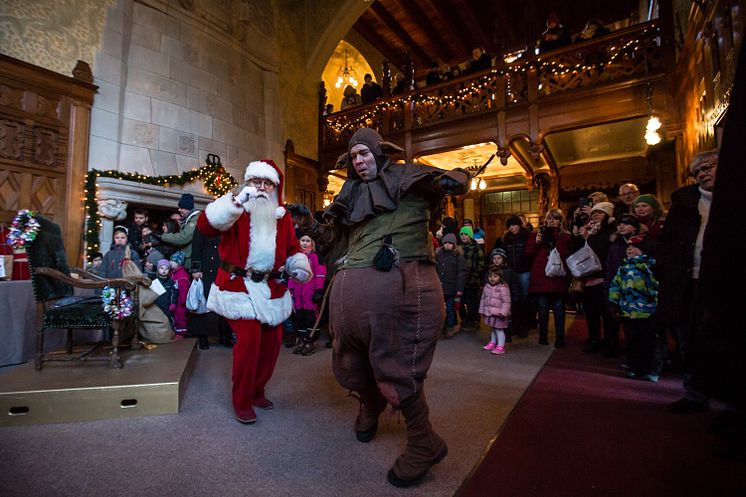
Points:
x=351 y=98
x=556 y=35
x=479 y=61
x=594 y=28
x=400 y=85
x=433 y=75
x=371 y=91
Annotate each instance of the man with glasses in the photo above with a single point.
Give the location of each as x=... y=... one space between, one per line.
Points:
x=258 y=250
x=628 y=192
x=679 y=256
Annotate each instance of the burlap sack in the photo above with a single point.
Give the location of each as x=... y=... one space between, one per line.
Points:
x=152 y=324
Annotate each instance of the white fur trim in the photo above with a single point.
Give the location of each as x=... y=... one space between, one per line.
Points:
x=223 y=212
x=299 y=261
x=259 y=169
x=279 y=212
x=256 y=304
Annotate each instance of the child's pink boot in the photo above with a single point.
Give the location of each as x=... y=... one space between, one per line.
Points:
x=498 y=350
x=489 y=346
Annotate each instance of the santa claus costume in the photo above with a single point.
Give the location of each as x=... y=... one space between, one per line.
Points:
x=257 y=240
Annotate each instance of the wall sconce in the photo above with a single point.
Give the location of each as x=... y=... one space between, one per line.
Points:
x=478 y=185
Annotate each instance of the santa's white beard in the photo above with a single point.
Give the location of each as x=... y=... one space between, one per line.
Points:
x=263 y=230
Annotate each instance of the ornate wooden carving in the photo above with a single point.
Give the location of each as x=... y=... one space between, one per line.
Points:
x=44 y=132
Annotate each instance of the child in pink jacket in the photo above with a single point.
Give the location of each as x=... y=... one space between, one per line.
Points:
x=495 y=309
x=181 y=278
x=306 y=298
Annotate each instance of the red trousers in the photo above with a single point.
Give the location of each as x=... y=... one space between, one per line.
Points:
x=254 y=357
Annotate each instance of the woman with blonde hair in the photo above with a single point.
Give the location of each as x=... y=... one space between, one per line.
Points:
x=549 y=292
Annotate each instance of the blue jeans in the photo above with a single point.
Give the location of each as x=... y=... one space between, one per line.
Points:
x=555 y=302
x=450 y=310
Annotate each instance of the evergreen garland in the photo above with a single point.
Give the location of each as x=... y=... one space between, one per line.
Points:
x=216 y=179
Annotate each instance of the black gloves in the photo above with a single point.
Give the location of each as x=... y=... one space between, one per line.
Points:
x=318 y=296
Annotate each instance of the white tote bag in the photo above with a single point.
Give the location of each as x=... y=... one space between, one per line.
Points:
x=554 y=268
x=583 y=262
x=195 y=301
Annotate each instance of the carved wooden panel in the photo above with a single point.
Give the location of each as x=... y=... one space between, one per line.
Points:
x=44 y=129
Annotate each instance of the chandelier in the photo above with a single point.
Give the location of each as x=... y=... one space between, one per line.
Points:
x=346 y=76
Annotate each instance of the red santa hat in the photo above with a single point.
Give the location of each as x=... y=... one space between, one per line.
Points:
x=267 y=169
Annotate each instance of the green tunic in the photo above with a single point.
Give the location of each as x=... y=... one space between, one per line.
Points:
x=408 y=227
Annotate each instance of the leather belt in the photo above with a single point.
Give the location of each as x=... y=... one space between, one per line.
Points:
x=255 y=276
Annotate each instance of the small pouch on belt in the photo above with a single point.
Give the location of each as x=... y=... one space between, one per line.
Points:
x=387 y=257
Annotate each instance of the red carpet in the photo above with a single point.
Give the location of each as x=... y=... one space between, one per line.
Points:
x=584 y=429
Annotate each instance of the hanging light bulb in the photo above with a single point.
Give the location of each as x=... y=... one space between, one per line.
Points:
x=474 y=184
x=482 y=184
x=654 y=124
x=652 y=137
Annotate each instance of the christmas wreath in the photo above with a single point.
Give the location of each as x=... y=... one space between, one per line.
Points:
x=24 y=229
x=117 y=310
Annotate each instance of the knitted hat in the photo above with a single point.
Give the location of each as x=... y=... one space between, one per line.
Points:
x=469 y=222
x=466 y=231
x=513 y=221
x=629 y=219
x=163 y=262
x=652 y=202
x=121 y=229
x=178 y=257
x=449 y=238
x=186 y=201
x=605 y=207
x=498 y=251
x=642 y=242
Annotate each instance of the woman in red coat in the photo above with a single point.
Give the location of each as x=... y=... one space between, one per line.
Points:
x=549 y=292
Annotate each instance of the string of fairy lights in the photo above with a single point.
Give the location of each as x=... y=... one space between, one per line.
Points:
x=556 y=67
x=216 y=180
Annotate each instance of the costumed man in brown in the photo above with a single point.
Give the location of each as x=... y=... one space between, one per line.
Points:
x=386 y=303
x=257 y=245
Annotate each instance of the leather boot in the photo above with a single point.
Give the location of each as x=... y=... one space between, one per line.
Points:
x=372 y=404
x=290 y=339
x=424 y=447
x=301 y=340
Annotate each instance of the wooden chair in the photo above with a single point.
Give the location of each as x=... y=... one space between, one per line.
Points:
x=54 y=290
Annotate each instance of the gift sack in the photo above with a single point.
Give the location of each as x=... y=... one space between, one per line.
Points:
x=554 y=267
x=583 y=262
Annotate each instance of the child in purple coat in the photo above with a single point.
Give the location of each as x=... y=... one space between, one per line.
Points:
x=306 y=297
x=495 y=308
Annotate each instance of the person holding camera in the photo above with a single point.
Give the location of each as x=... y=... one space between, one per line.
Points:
x=549 y=292
x=597 y=233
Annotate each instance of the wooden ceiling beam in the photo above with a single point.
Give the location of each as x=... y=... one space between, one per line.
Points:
x=452 y=18
x=445 y=54
x=385 y=16
x=395 y=56
x=472 y=17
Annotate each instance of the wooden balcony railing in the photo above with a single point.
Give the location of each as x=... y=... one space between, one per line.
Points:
x=632 y=53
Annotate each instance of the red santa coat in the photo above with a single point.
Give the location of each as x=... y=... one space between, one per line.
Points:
x=240 y=298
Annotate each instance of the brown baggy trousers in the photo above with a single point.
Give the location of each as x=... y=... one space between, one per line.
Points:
x=385 y=326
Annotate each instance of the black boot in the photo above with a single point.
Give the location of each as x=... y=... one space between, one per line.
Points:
x=543 y=340
x=559 y=342
x=424 y=447
x=301 y=341
x=309 y=347
x=290 y=339
x=202 y=342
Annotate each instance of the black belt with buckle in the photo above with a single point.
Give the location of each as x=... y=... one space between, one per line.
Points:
x=255 y=276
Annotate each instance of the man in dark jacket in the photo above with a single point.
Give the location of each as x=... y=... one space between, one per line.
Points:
x=371 y=91
x=679 y=256
x=514 y=243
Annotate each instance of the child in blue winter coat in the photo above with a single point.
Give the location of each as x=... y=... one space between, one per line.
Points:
x=452 y=274
x=495 y=308
x=633 y=294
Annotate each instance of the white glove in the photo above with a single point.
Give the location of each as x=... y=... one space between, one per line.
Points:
x=245 y=194
x=301 y=275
